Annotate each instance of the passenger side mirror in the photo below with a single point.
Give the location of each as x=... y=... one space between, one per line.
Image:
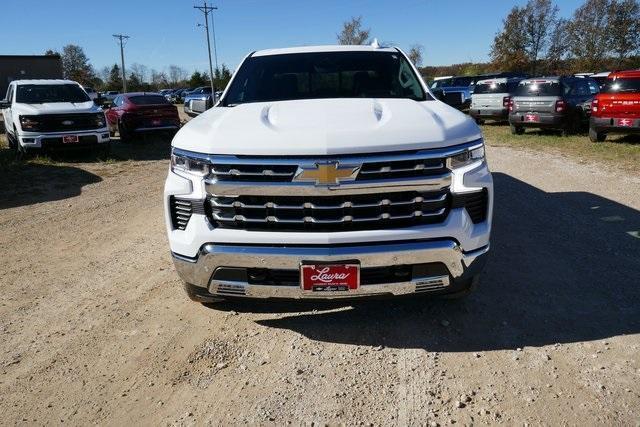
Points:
x=5 y=104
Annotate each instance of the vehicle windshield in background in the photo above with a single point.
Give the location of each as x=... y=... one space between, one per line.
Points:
x=493 y=88
x=453 y=82
x=148 y=100
x=39 y=94
x=622 y=86
x=539 y=88
x=324 y=75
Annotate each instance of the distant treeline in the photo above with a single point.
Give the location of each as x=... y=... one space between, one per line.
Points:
x=563 y=67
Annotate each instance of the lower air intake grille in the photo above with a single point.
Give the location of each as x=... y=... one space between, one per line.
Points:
x=475 y=203
x=181 y=211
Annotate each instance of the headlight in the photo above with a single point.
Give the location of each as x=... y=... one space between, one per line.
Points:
x=189 y=165
x=29 y=123
x=467 y=157
x=100 y=120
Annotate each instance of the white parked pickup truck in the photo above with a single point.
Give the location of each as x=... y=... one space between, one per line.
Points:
x=52 y=113
x=328 y=172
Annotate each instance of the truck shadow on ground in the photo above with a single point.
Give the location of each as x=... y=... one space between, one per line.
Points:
x=32 y=183
x=61 y=174
x=565 y=267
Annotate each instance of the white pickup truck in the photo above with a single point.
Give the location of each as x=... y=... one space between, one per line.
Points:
x=43 y=114
x=328 y=172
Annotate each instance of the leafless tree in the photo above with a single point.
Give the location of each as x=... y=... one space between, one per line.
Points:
x=415 y=54
x=141 y=72
x=176 y=74
x=352 y=32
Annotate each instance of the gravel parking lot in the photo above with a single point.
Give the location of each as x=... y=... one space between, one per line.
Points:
x=95 y=327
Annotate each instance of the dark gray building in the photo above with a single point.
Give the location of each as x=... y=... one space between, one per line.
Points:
x=18 y=67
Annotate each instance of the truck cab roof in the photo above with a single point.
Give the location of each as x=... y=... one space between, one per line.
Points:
x=44 y=82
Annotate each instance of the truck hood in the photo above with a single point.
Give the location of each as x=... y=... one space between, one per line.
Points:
x=56 y=108
x=326 y=127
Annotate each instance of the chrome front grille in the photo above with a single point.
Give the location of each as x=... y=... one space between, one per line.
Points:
x=329 y=213
x=413 y=164
x=252 y=172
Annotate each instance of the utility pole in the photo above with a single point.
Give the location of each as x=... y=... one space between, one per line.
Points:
x=122 y=38
x=206 y=10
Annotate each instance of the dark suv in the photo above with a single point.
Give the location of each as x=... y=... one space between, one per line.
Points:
x=562 y=103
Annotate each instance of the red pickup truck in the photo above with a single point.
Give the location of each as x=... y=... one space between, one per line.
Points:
x=616 y=109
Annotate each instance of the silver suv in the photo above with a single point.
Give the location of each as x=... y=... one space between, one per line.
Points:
x=562 y=103
x=491 y=97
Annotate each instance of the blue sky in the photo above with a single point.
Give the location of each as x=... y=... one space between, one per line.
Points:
x=164 y=32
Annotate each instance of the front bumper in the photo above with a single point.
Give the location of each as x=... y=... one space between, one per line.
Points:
x=462 y=268
x=33 y=140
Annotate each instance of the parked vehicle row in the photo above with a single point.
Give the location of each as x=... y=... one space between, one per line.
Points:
x=51 y=114
x=569 y=104
x=457 y=90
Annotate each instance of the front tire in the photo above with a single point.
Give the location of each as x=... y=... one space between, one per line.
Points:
x=124 y=135
x=596 y=136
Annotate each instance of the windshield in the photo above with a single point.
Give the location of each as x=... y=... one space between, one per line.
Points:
x=622 y=85
x=148 y=100
x=539 y=88
x=38 y=94
x=493 y=87
x=324 y=75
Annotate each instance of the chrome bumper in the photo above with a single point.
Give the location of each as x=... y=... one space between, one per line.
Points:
x=462 y=267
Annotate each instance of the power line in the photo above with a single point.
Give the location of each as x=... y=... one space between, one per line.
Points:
x=123 y=39
x=207 y=10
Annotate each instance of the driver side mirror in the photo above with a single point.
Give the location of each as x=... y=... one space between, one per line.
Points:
x=5 y=104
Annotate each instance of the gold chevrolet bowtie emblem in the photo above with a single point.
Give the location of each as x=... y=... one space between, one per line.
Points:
x=329 y=173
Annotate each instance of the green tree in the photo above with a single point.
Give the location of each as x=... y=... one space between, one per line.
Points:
x=589 y=39
x=558 y=51
x=624 y=28
x=198 y=79
x=540 y=20
x=221 y=77
x=352 y=32
x=75 y=65
x=508 y=51
x=114 y=81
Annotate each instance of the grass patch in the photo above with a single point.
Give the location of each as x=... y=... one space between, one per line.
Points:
x=618 y=150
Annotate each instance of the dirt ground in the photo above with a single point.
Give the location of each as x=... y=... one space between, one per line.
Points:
x=95 y=326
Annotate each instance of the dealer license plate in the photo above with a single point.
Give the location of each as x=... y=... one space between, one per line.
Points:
x=69 y=139
x=531 y=118
x=625 y=122
x=329 y=277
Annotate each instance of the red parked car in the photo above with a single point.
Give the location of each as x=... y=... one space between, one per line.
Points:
x=132 y=113
x=616 y=109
